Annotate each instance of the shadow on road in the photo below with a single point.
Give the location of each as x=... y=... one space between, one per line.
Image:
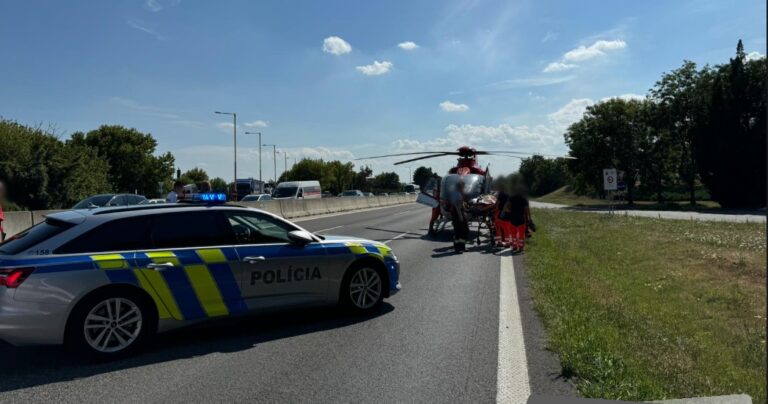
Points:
x=33 y=366
x=409 y=235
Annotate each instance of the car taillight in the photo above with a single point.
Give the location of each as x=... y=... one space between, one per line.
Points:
x=13 y=277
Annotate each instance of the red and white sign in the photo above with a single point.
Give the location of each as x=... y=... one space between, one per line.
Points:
x=610 y=182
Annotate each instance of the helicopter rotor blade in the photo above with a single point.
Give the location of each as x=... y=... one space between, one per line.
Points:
x=513 y=153
x=407 y=154
x=424 y=157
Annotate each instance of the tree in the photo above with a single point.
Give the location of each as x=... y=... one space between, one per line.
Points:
x=218 y=184
x=730 y=144
x=608 y=136
x=194 y=176
x=680 y=94
x=133 y=165
x=386 y=182
x=42 y=172
x=422 y=175
x=361 y=179
x=542 y=176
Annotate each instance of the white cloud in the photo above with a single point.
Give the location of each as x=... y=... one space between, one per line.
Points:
x=453 y=107
x=558 y=67
x=375 y=69
x=408 y=45
x=158 y=5
x=570 y=112
x=225 y=126
x=134 y=106
x=528 y=82
x=598 y=48
x=550 y=36
x=754 y=55
x=144 y=28
x=336 y=46
x=257 y=124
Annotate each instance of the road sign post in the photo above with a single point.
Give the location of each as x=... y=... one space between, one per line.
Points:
x=610 y=184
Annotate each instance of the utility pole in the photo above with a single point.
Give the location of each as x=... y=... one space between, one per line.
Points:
x=261 y=182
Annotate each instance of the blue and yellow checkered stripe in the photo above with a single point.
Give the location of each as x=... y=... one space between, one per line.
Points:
x=199 y=285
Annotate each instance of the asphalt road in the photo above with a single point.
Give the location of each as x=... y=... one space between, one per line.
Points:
x=435 y=341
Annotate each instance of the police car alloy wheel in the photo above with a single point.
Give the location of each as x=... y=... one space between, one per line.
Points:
x=113 y=325
x=110 y=324
x=365 y=288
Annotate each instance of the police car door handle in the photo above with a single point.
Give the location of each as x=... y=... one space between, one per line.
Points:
x=157 y=266
x=254 y=260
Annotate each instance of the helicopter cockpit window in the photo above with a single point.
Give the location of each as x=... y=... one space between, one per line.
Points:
x=473 y=185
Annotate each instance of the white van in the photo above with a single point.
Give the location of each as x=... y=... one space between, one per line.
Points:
x=297 y=190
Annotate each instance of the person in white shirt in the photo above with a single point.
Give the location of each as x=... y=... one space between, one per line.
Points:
x=176 y=194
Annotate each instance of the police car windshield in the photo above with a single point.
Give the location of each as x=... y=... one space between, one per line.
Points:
x=285 y=192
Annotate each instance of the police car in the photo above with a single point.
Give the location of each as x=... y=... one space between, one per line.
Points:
x=105 y=280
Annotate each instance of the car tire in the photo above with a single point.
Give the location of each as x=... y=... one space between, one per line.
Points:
x=111 y=324
x=362 y=289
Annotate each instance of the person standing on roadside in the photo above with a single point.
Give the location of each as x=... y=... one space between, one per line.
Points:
x=517 y=213
x=459 y=219
x=503 y=231
x=2 y=200
x=176 y=193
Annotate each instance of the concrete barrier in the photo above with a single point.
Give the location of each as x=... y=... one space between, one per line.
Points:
x=18 y=221
x=15 y=222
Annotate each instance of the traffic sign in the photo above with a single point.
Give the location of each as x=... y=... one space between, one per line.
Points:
x=609 y=179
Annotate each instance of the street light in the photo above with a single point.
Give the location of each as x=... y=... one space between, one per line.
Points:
x=234 y=128
x=274 y=159
x=261 y=183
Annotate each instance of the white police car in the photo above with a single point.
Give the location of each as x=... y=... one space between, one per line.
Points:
x=105 y=280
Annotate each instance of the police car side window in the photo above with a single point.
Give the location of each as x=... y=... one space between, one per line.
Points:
x=254 y=228
x=190 y=229
x=127 y=234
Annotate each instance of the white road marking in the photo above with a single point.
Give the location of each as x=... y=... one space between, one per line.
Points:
x=330 y=228
x=512 y=385
x=404 y=212
x=396 y=237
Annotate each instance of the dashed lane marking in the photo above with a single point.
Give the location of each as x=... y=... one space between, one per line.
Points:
x=512 y=384
x=330 y=228
x=396 y=237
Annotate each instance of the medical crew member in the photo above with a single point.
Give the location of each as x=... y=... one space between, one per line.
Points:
x=459 y=218
x=436 y=210
x=503 y=230
x=517 y=213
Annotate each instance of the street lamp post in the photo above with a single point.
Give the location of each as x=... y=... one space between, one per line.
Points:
x=234 y=129
x=274 y=159
x=261 y=182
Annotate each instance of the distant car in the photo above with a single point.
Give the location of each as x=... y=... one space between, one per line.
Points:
x=369 y=194
x=98 y=201
x=383 y=194
x=352 y=192
x=328 y=195
x=106 y=280
x=152 y=201
x=256 y=198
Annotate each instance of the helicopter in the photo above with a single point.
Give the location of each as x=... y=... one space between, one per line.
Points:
x=477 y=185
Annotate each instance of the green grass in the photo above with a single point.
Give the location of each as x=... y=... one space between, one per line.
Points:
x=564 y=196
x=645 y=309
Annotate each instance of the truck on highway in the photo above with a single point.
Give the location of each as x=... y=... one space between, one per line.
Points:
x=297 y=190
x=248 y=186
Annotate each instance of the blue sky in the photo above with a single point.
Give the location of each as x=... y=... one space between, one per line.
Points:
x=329 y=79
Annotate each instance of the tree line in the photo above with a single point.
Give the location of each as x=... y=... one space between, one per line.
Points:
x=336 y=176
x=699 y=132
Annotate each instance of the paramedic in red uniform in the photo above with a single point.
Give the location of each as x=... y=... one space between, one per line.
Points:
x=517 y=213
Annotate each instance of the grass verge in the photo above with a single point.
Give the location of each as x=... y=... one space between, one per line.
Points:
x=646 y=309
x=563 y=196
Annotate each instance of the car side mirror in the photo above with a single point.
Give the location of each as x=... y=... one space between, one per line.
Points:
x=300 y=237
